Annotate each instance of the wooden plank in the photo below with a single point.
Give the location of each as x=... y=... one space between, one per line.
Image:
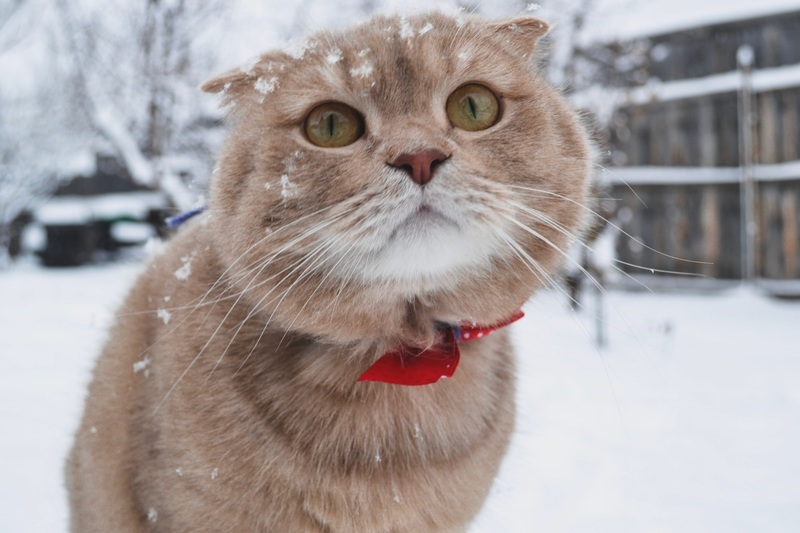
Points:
x=767 y=141
x=790 y=233
x=730 y=263
x=710 y=222
x=658 y=144
x=790 y=124
x=726 y=128
x=708 y=141
x=769 y=233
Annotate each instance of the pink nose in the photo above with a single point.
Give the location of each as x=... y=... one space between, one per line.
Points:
x=421 y=165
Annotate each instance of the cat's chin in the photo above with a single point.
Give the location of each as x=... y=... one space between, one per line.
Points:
x=430 y=247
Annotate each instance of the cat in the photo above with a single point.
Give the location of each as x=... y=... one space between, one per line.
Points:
x=385 y=192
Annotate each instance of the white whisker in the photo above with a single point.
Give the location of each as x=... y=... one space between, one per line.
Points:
x=263 y=264
x=607 y=221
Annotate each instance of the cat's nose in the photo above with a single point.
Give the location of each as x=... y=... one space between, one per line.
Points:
x=421 y=165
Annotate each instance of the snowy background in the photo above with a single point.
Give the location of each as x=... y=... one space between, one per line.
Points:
x=688 y=420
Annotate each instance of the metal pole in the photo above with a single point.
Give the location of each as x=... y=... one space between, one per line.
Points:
x=744 y=58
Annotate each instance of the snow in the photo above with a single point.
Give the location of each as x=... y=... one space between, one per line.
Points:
x=137 y=164
x=81 y=163
x=50 y=322
x=334 y=56
x=141 y=366
x=164 y=315
x=425 y=29
x=686 y=422
x=297 y=48
x=265 y=86
x=64 y=210
x=34 y=237
x=603 y=101
x=183 y=273
x=650 y=175
x=132 y=232
x=288 y=188
x=22 y=44
x=406 y=32
x=362 y=71
x=771 y=79
x=83 y=209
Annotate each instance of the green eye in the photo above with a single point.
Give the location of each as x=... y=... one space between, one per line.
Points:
x=333 y=125
x=473 y=107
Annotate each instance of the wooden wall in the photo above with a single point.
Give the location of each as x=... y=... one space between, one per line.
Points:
x=686 y=229
x=697 y=132
x=710 y=50
x=697 y=229
x=778 y=241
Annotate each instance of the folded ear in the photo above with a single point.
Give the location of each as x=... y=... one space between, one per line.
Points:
x=234 y=81
x=521 y=33
x=253 y=81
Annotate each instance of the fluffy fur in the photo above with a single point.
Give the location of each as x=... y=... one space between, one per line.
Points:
x=226 y=397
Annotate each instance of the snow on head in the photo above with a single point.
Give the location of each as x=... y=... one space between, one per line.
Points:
x=164 y=315
x=297 y=48
x=183 y=273
x=265 y=86
x=334 y=56
x=406 y=31
x=141 y=366
x=362 y=71
x=425 y=29
x=287 y=187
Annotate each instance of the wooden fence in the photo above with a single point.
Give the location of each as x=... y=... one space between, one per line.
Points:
x=677 y=150
x=697 y=228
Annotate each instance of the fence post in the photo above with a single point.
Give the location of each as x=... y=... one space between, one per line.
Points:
x=744 y=59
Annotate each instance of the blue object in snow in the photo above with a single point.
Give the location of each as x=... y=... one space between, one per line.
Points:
x=175 y=221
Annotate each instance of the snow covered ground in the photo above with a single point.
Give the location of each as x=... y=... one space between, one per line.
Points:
x=688 y=422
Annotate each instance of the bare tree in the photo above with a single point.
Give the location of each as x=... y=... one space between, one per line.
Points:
x=29 y=145
x=134 y=76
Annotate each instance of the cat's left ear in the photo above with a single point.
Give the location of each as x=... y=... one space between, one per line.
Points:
x=521 y=33
x=235 y=79
x=254 y=79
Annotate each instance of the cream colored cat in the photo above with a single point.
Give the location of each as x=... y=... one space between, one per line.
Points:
x=380 y=186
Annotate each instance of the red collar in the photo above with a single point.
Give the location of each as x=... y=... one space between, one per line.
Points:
x=423 y=366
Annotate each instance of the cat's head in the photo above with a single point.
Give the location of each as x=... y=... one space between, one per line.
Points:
x=418 y=161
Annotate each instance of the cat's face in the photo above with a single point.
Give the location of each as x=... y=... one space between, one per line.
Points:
x=439 y=156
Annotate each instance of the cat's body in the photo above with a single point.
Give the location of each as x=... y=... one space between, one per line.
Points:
x=227 y=398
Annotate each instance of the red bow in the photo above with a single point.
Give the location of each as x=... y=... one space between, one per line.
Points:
x=423 y=366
